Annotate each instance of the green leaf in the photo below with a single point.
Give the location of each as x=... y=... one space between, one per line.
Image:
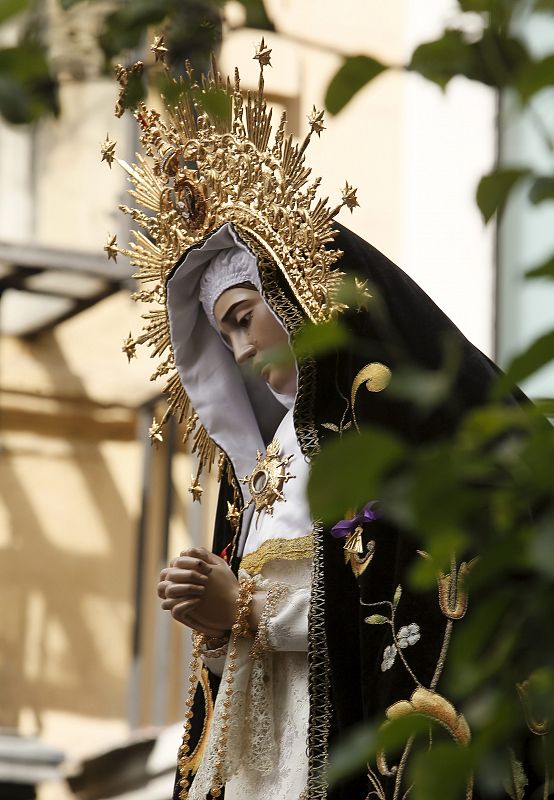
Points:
x=423 y=572
x=15 y=104
x=352 y=754
x=439 y=61
x=348 y=472
x=537 y=355
x=444 y=771
x=135 y=91
x=537 y=75
x=353 y=75
x=494 y=189
x=9 y=8
x=354 y=292
x=495 y=59
x=141 y=13
x=544 y=6
x=215 y=102
x=315 y=339
x=502 y=58
x=376 y=619
x=124 y=29
x=397 y=596
x=500 y=11
x=393 y=735
x=486 y=642
x=67 y=4
x=425 y=388
x=541 y=548
x=256 y=15
x=27 y=89
x=541 y=189
x=544 y=270
x=544 y=405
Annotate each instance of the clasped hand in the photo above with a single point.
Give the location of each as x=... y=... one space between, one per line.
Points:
x=201 y=591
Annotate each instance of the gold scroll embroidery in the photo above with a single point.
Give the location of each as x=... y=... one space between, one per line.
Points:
x=376 y=377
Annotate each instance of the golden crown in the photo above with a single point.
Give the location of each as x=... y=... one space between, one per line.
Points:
x=209 y=161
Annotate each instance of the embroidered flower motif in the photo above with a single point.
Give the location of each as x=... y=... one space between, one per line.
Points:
x=389 y=657
x=408 y=635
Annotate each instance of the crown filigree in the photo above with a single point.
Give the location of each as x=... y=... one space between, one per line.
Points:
x=213 y=158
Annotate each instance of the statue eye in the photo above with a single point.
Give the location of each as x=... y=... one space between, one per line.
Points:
x=245 y=320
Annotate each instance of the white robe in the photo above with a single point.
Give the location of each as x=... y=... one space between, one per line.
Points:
x=266 y=753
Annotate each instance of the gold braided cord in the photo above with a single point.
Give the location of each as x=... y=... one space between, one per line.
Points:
x=319 y=683
x=188 y=762
x=275 y=595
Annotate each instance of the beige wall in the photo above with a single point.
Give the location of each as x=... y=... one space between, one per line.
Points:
x=71 y=471
x=414 y=152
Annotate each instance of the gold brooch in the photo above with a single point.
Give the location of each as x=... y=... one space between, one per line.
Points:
x=267 y=479
x=354 y=552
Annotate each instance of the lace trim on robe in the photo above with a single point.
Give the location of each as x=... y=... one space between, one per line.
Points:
x=268 y=714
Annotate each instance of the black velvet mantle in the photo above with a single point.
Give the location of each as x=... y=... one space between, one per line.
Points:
x=401 y=325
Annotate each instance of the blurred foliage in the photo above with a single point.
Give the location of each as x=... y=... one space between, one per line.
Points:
x=488 y=491
x=192 y=30
x=28 y=87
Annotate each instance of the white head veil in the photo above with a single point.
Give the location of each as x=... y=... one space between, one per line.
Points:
x=238 y=410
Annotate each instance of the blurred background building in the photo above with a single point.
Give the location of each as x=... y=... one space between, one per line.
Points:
x=90 y=511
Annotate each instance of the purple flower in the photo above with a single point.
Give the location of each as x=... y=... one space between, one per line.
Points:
x=348 y=526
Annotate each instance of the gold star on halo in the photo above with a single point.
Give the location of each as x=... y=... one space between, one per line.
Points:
x=107 y=150
x=349 y=198
x=129 y=347
x=316 y=121
x=158 y=48
x=155 y=432
x=195 y=489
x=263 y=54
x=233 y=514
x=363 y=291
x=111 y=247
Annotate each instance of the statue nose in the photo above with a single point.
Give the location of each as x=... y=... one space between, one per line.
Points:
x=243 y=352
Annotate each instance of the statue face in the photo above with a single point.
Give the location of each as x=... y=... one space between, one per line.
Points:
x=254 y=334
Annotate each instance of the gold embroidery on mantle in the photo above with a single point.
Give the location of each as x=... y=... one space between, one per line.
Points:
x=358 y=562
x=376 y=377
x=436 y=707
x=272 y=549
x=196 y=756
x=188 y=763
x=424 y=700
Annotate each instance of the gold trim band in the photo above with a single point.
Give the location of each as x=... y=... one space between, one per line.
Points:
x=272 y=549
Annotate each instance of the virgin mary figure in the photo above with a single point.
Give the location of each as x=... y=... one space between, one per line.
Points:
x=237 y=255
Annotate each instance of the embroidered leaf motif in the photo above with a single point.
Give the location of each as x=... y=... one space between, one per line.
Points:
x=397 y=596
x=517 y=781
x=331 y=426
x=376 y=619
x=389 y=656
